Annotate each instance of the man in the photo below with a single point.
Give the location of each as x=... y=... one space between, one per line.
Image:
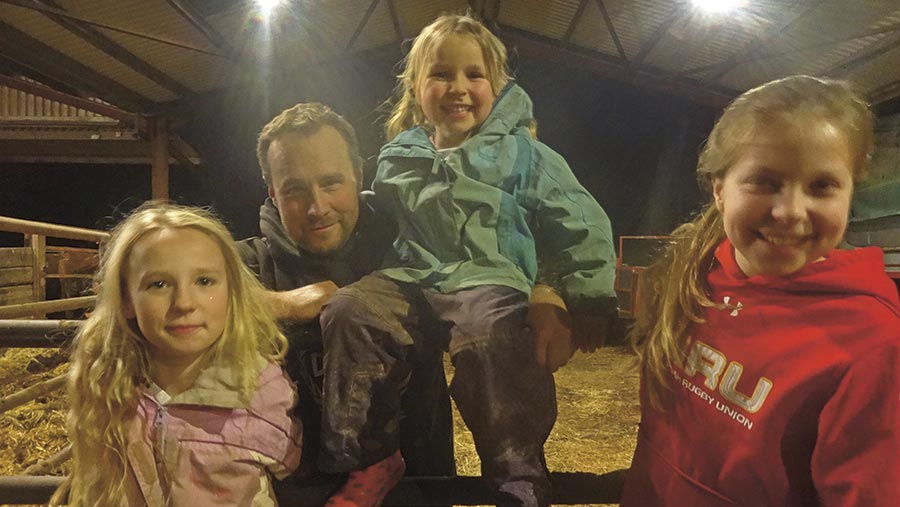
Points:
x=319 y=232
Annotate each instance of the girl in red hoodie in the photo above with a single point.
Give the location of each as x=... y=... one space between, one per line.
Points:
x=770 y=359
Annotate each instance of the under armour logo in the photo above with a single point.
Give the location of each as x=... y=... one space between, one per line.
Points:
x=735 y=309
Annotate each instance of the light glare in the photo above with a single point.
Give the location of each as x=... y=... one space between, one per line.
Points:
x=718 y=6
x=266 y=7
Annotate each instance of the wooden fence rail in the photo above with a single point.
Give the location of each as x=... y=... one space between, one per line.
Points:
x=24 y=271
x=10 y=224
x=36 y=333
x=43 y=307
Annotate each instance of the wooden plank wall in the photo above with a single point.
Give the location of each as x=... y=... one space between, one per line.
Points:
x=16 y=276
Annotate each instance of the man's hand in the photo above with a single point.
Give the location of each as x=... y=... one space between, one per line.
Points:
x=552 y=328
x=300 y=305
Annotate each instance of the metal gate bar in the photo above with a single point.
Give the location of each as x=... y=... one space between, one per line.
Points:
x=569 y=488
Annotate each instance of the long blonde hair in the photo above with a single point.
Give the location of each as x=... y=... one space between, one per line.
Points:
x=674 y=291
x=111 y=358
x=406 y=112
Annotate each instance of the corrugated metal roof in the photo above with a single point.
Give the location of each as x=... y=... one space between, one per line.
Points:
x=547 y=19
x=163 y=52
x=57 y=38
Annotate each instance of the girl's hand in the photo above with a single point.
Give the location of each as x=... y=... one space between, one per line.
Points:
x=590 y=332
x=300 y=305
x=551 y=326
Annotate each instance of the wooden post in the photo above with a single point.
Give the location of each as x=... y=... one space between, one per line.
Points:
x=38 y=244
x=159 y=172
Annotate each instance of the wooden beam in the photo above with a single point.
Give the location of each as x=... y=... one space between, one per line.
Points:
x=9 y=224
x=113 y=49
x=395 y=19
x=603 y=65
x=181 y=152
x=765 y=55
x=573 y=23
x=886 y=94
x=648 y=45
x=159 y=171
x=45 y=60
x=45 y=307
x=844 y=69
x=29 y=4
x=362 y=24
x=759 y=42
x=196 y=19
x=612 y=30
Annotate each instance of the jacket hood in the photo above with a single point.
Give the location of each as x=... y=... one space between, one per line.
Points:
x=512 y=109
x=344 y=266
x=843 y=272
x=283 y=249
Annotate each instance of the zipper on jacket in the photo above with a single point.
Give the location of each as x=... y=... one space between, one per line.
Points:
x=159 y=439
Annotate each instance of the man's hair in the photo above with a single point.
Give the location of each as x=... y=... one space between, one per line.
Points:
x=306 y=119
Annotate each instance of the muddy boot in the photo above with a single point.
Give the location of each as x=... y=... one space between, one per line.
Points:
x=367 y=487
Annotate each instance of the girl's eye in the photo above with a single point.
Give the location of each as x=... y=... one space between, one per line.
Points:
x=440 y=74
x=205 y=281
x=476 y=75
x=157 y=284
x=821 y=187
x=762 y=182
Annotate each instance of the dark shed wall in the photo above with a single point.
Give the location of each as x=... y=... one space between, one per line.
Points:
x=635 y=151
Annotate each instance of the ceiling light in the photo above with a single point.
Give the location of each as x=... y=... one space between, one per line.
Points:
x=718 y=6
x=266 y=7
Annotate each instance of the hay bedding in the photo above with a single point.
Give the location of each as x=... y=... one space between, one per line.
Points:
x=595 y=431
x=599 y=410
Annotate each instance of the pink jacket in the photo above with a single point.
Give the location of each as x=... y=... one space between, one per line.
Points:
x=204 y=447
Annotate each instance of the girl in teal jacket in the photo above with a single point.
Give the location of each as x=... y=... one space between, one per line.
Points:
x=477 y=200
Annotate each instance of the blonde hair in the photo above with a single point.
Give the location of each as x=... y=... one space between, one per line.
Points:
x=111 y=358
x=406 y=112
x=306 y=119
x=674 y=291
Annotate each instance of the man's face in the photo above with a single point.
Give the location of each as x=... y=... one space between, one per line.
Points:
x=315 y=188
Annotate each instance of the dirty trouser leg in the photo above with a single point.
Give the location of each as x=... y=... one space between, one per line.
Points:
x=507 y=400
x=426 y=424
x=366 y=343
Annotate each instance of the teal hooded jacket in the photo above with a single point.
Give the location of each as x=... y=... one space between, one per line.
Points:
x=484 y=212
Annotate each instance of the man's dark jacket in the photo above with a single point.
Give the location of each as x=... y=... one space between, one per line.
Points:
x=427 y=443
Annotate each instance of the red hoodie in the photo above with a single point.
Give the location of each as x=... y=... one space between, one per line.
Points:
x=790 y=395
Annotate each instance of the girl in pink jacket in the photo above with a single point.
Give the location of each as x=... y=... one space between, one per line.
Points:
x=176 y=395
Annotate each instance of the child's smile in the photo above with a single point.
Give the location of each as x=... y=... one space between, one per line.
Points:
x=786 y=199
x=455 y=91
